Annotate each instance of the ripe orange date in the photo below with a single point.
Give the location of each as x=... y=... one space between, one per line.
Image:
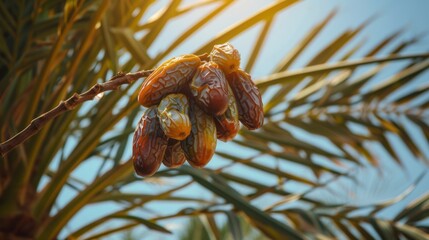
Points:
x=174 y=156
x=227 y=124
x=200 y=145
x=168 y=78
x=248 y=98
x=149 y=144
x=210 y=89
x=173 y=113
x=226 y=56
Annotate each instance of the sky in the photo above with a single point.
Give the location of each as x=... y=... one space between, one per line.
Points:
x=290 y=26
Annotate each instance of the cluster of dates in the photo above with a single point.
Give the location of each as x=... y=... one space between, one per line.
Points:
x=192 y=103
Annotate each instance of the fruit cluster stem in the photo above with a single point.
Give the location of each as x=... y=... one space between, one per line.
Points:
x=69 y=104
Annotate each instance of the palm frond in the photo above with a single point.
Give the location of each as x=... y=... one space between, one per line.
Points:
x=325 y=120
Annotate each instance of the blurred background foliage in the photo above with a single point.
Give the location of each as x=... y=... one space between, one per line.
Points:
x=328 y=163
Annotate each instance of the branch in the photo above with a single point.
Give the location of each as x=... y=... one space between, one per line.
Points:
x=69 y=104
x=36 y=124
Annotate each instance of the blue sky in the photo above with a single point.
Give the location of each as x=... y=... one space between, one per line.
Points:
x=289 y=28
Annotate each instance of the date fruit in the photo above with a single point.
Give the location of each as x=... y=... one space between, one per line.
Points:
x=226 y=56
x=191 y=103
x=149 y=144
x=168 y=78
x=227 y=124
x=248 y=98
x=210 y=88
x=173 y=113
x=200 y=145
x=174 y=156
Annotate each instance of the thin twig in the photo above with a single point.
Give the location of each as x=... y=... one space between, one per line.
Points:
x=69 y=104
x=36 y=124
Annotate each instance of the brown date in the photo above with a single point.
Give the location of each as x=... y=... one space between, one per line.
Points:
x=227 y=124
x=248 y=98
x=210 y=88
x=226 y=56
x=149 y=144
x=200 y=145
x=173 y=113
x=168 y=78
x=174 y=156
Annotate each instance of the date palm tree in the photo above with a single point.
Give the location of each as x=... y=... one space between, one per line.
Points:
x=316 y=169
